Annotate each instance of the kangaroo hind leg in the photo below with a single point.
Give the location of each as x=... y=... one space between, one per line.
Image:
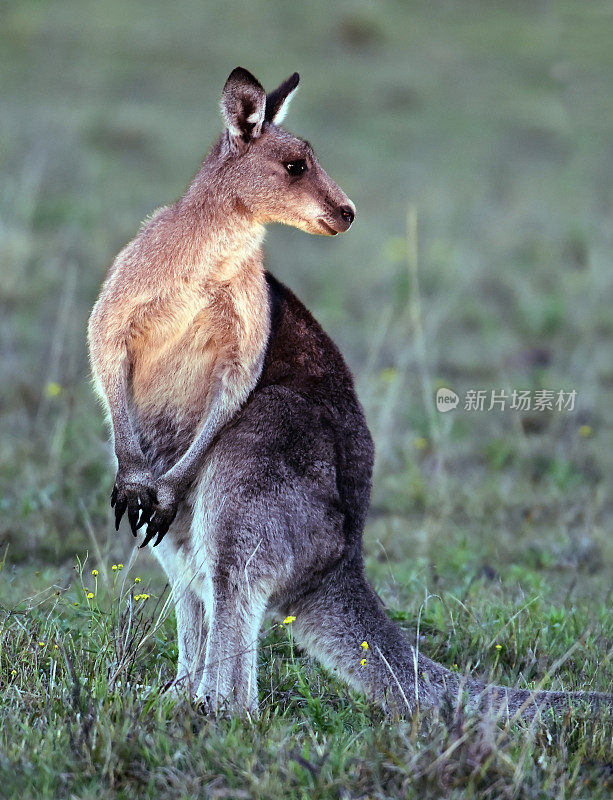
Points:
x=242 y=566
x=191 y=638
x=229 y=680
x=187 y=585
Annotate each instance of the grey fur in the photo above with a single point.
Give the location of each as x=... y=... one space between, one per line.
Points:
x=272 y=485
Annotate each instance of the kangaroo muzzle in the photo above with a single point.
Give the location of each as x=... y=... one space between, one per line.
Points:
x=339 y=220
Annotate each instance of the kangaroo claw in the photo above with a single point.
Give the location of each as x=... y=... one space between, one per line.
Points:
x=133 y=515
x=148 y=537
x=159 y=524
x=121 y=504
x=133 y=491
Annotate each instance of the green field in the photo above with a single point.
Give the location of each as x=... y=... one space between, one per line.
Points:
x=475 y=139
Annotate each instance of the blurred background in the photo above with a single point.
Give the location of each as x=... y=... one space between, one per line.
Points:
x=476 y=140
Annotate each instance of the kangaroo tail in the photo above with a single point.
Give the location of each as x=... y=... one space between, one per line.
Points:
x=344 y=625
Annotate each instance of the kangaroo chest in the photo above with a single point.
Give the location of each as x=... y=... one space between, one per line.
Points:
x=206 y=341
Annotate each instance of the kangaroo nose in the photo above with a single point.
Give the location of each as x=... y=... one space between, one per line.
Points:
x=348 y=214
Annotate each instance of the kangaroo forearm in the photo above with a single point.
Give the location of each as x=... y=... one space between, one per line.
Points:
x=186 y=469
x=127 y=446
x=109 y=334
x=113 y=385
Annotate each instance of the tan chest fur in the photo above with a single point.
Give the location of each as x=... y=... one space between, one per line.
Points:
x=209 y=333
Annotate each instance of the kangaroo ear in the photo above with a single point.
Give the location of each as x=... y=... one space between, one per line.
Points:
x=277 y=102
x=243 y=103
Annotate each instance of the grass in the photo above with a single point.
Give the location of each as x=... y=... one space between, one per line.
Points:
x=474 y=139
x=85 y=660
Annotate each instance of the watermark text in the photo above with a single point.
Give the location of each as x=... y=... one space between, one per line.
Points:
x=501 y=399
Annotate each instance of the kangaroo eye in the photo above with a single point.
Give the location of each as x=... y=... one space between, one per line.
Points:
x=296 y=168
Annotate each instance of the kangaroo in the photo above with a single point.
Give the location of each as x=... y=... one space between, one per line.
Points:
x=241 y=444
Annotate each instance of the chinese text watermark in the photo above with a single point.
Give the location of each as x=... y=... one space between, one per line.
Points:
x=513 y=400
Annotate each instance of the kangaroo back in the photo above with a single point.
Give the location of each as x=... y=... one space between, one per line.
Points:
x=338 y=616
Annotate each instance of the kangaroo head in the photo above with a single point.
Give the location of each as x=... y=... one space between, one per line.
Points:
x=271 y=174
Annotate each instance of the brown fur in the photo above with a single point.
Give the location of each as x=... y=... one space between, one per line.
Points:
x=233 y=410
x=178 y=334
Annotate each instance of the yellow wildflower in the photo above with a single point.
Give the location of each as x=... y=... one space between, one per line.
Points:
x=114 y=567
x=136 y=580
x=585 y=431
x=363 y=662
x=41 y=644
x=364 y=645
x=53 y=389
x=498 y=647
x=119 y=566
x=13 y=672
x=289 y=620
x=95 y=573
x=90 y=595
x=388 y=374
